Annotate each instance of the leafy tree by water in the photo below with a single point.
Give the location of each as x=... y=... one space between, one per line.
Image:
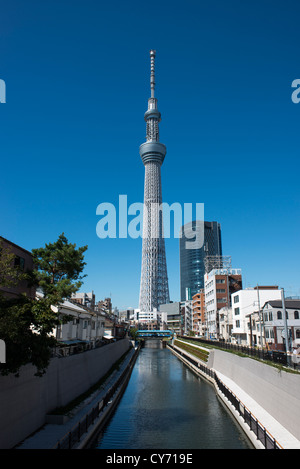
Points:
x=59 y=267
x=26 y=324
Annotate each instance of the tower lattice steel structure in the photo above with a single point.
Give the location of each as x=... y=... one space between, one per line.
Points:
x=154 y=288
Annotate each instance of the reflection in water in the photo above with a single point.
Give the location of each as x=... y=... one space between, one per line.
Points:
x=165 y=406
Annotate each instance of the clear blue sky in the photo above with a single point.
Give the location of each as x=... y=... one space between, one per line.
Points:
x=77 y=78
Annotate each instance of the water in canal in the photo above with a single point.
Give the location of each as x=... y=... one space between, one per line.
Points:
x=165 y=406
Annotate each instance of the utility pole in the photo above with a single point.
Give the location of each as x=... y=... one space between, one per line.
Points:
x=287 y=345
x=261 y=329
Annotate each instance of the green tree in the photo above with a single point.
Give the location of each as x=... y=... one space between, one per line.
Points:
x=26 y=324
x=25 y=331
x=59 y=267
x=133 y=332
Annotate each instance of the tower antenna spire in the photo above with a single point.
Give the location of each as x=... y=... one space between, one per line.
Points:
x=152 y=75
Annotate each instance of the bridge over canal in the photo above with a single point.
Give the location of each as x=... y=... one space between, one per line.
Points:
x=145 y=334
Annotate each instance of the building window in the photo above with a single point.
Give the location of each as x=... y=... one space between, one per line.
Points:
x=19 y=262
x=236 y=310
x=221 y=290
x=236 y=299
x=296 y=314
x=270 y=316
x=279 y=315
x=221 y=300
x=220 y=280
x=237 y=323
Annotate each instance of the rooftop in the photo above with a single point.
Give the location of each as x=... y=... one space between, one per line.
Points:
x=289 y=304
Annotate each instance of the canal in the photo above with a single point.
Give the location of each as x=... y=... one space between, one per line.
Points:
x=166 y=406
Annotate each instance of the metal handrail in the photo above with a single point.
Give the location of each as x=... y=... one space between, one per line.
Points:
x=260 y=431
x=272 y=355
x=73 y=436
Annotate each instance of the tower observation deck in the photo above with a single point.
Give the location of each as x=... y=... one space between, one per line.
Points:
x=154 y=287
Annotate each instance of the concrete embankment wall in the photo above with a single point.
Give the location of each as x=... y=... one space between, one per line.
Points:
x=25 y=401
x=278 y=392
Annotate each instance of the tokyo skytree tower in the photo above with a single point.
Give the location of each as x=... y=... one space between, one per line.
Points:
x=154 y=288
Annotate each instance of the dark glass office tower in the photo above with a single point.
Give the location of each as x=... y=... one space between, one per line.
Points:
x=192 y=267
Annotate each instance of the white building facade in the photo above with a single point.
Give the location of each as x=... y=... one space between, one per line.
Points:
x=274 y=324
x=83 y=325
x=247 y=324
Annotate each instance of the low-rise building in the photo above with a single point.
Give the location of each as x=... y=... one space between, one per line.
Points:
x=85 y=299
x=83 y=325
x=148 y=325
x=225 y=323
x=172 y=317
x=274 y=324
x=247 y=328
x=105 y=305
x=126 y=314
x=147 y=316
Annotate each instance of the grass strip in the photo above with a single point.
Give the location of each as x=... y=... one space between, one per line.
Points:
x=278 y=366
x=197 y=352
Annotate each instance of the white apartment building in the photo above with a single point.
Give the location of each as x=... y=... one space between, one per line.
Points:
x=246 y=329
x=147 y=316
x=274 y=324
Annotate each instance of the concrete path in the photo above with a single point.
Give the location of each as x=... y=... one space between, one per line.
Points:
x=278 y=432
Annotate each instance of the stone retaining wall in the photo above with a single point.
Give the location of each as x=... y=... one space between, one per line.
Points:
x=25 y=401
x=278 y=392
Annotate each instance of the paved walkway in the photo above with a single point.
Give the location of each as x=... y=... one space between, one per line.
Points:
x=47 y=436
x=280 y=433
